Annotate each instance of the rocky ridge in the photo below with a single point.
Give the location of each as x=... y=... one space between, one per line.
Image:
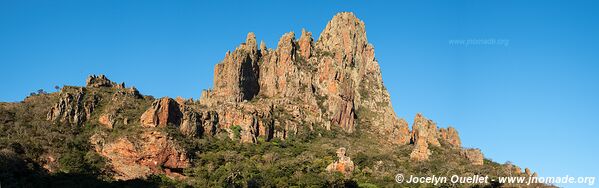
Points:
x=303 y=86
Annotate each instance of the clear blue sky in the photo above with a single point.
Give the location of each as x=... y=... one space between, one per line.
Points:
x=533 y=102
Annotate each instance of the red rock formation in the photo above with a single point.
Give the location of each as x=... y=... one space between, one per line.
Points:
x=166 y=111
x=450 y=135
x=335 y=76
x=403 y=133
x=428 y=127
x=421 y=151
x=154 y=153
x=236 y=77
x=305 y=44
x=162 y=112
x=425 y=133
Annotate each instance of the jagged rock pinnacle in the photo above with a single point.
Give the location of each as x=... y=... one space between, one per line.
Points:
x=333 y=79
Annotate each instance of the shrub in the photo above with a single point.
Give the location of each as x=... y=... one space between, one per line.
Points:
x=236 y=131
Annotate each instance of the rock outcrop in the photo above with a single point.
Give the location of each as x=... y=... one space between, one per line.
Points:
x=305 y=43
x=424 y=129
x=73 y=106
x=236 y=77
x=420 y=151
x=450 y=136
x=100 y=81
x=153 y=153
x=474 y=156
x=425 y=133
x=343 y=164
x=107 y=120
x=334 y=81
x=164 y=111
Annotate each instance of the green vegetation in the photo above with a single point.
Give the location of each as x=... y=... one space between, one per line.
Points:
x=28 y=141
x=236 y=131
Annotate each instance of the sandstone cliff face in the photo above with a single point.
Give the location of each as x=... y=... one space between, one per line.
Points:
x=305 y=43
x=153 y=153
x=162 y=112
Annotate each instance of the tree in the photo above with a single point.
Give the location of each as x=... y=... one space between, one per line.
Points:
x=41 y=91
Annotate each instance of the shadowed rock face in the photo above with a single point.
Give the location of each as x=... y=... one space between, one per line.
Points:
x=73 y=107
x=162 y=112
x=236 y=77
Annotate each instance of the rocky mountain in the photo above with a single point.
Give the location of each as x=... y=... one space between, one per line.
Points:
x=308 y=112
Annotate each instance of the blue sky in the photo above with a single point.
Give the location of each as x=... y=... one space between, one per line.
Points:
x=533 y=102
